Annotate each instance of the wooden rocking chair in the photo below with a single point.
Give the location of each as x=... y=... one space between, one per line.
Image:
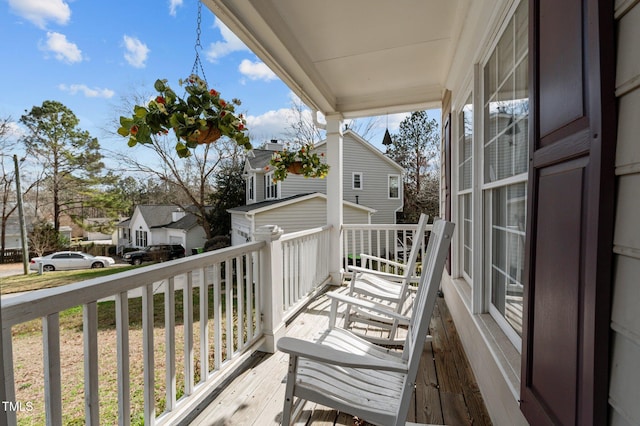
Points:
x=345 y=372
x=384 y=288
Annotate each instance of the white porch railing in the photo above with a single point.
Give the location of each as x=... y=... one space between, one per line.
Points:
x=392 y=242
x=305 y=265
x=250 y=290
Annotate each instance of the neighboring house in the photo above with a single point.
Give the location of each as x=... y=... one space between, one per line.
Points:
x=295 y=213
x=370 y=178
x=160 y=224
x=13 y=239
x=95 y=229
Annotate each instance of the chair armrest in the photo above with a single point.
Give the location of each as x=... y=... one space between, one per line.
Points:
x=367 y=304
x=321 y=353
x=364 y=256
x=387 y=275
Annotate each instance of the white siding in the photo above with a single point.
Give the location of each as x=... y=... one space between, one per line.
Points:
x=624 y=388
x=306 y=214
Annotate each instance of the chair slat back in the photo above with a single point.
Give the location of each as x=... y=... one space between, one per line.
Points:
x=418 y=241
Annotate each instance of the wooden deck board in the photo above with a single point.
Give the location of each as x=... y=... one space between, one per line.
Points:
x=446 y=392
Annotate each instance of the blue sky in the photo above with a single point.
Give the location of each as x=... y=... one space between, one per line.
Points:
x=90 y=54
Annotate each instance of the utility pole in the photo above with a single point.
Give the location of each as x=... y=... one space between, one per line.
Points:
x=23 y=225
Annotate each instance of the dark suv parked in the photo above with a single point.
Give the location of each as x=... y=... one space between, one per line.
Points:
x=155 y=253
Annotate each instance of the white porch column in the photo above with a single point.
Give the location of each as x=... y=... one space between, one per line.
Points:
x=334 y=194
x=271 y=285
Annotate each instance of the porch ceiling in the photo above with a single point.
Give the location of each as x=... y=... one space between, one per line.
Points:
x=357 y=57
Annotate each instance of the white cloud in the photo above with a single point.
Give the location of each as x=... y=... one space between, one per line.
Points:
x=39 y=12
x=88 y=92
x=270 y=125
x=63 y=49
x=136 y=52
x=230 y=43
x=173 y=5
x=256 y=70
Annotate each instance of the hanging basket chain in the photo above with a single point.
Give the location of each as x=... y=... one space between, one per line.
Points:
x=197 y=64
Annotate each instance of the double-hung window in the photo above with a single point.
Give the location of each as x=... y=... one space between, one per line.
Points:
x=270 y=187
x=465 y=188
x=505 y=155
x=356 y=180
x=251 y=188
x=394 y=187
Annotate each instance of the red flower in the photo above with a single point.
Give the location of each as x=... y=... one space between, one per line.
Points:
x=212 y=92
x=161 y=100
x=133 y=130
x=223 y=113
x=240 y=126
x=266 y=169
x=223 y=103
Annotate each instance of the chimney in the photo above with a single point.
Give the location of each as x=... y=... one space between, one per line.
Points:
x=274 y=145
x=177 y=215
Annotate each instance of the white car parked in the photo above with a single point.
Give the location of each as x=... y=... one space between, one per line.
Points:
x=66 y=260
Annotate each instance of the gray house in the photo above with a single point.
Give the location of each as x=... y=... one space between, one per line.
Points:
x=292 y=214
x=371 y=179
x=160 y=224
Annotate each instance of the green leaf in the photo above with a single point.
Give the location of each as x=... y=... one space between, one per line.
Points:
x=123 y=131
x=132 y=142
x=160 y=85
x=126 y=122
x=139 y=111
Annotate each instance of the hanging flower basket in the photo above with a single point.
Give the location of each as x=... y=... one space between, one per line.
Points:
x=305 y=162
x=200 y=117
x=209 y=135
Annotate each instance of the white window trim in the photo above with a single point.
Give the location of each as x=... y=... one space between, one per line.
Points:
x=251 y=187
x=353 y=181
x=399 y=177
x=268 y=183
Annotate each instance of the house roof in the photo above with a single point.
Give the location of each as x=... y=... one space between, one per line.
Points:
x=273 y=204
x=262 y=156
x=347 y=65
x=161 y=216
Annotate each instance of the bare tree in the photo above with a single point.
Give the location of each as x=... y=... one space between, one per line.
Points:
x=302 y=130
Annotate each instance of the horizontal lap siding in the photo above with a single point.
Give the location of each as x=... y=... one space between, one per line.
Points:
x=304 y=215
x=624 y=387
x=375 y=171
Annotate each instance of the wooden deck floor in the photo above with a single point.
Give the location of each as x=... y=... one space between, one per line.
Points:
x=446 y=391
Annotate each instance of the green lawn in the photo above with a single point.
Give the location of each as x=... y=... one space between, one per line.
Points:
x=33 y=281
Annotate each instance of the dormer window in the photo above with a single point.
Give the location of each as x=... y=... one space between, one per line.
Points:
x=270 y=187
x=251 y=188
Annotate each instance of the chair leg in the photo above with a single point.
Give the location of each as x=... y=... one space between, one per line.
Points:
x=288 y=395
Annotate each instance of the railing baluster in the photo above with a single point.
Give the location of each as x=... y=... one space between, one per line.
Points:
x=9 y=384
x=122 y=351
x=204 y=329
x=147 y=353
x=258 y=293
x=217 y=318
x=228 y=287
x=240 y=296
x=52 y=375
x=90 y=337
x=187 y=311
x=170 y=344
x=249 y=316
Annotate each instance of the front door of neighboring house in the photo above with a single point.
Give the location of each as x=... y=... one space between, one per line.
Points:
x=570 y=219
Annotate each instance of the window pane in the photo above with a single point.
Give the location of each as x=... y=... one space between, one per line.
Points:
x=394 y=191
x=506 y=151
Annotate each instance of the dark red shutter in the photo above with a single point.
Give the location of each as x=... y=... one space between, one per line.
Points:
x=570 y=212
